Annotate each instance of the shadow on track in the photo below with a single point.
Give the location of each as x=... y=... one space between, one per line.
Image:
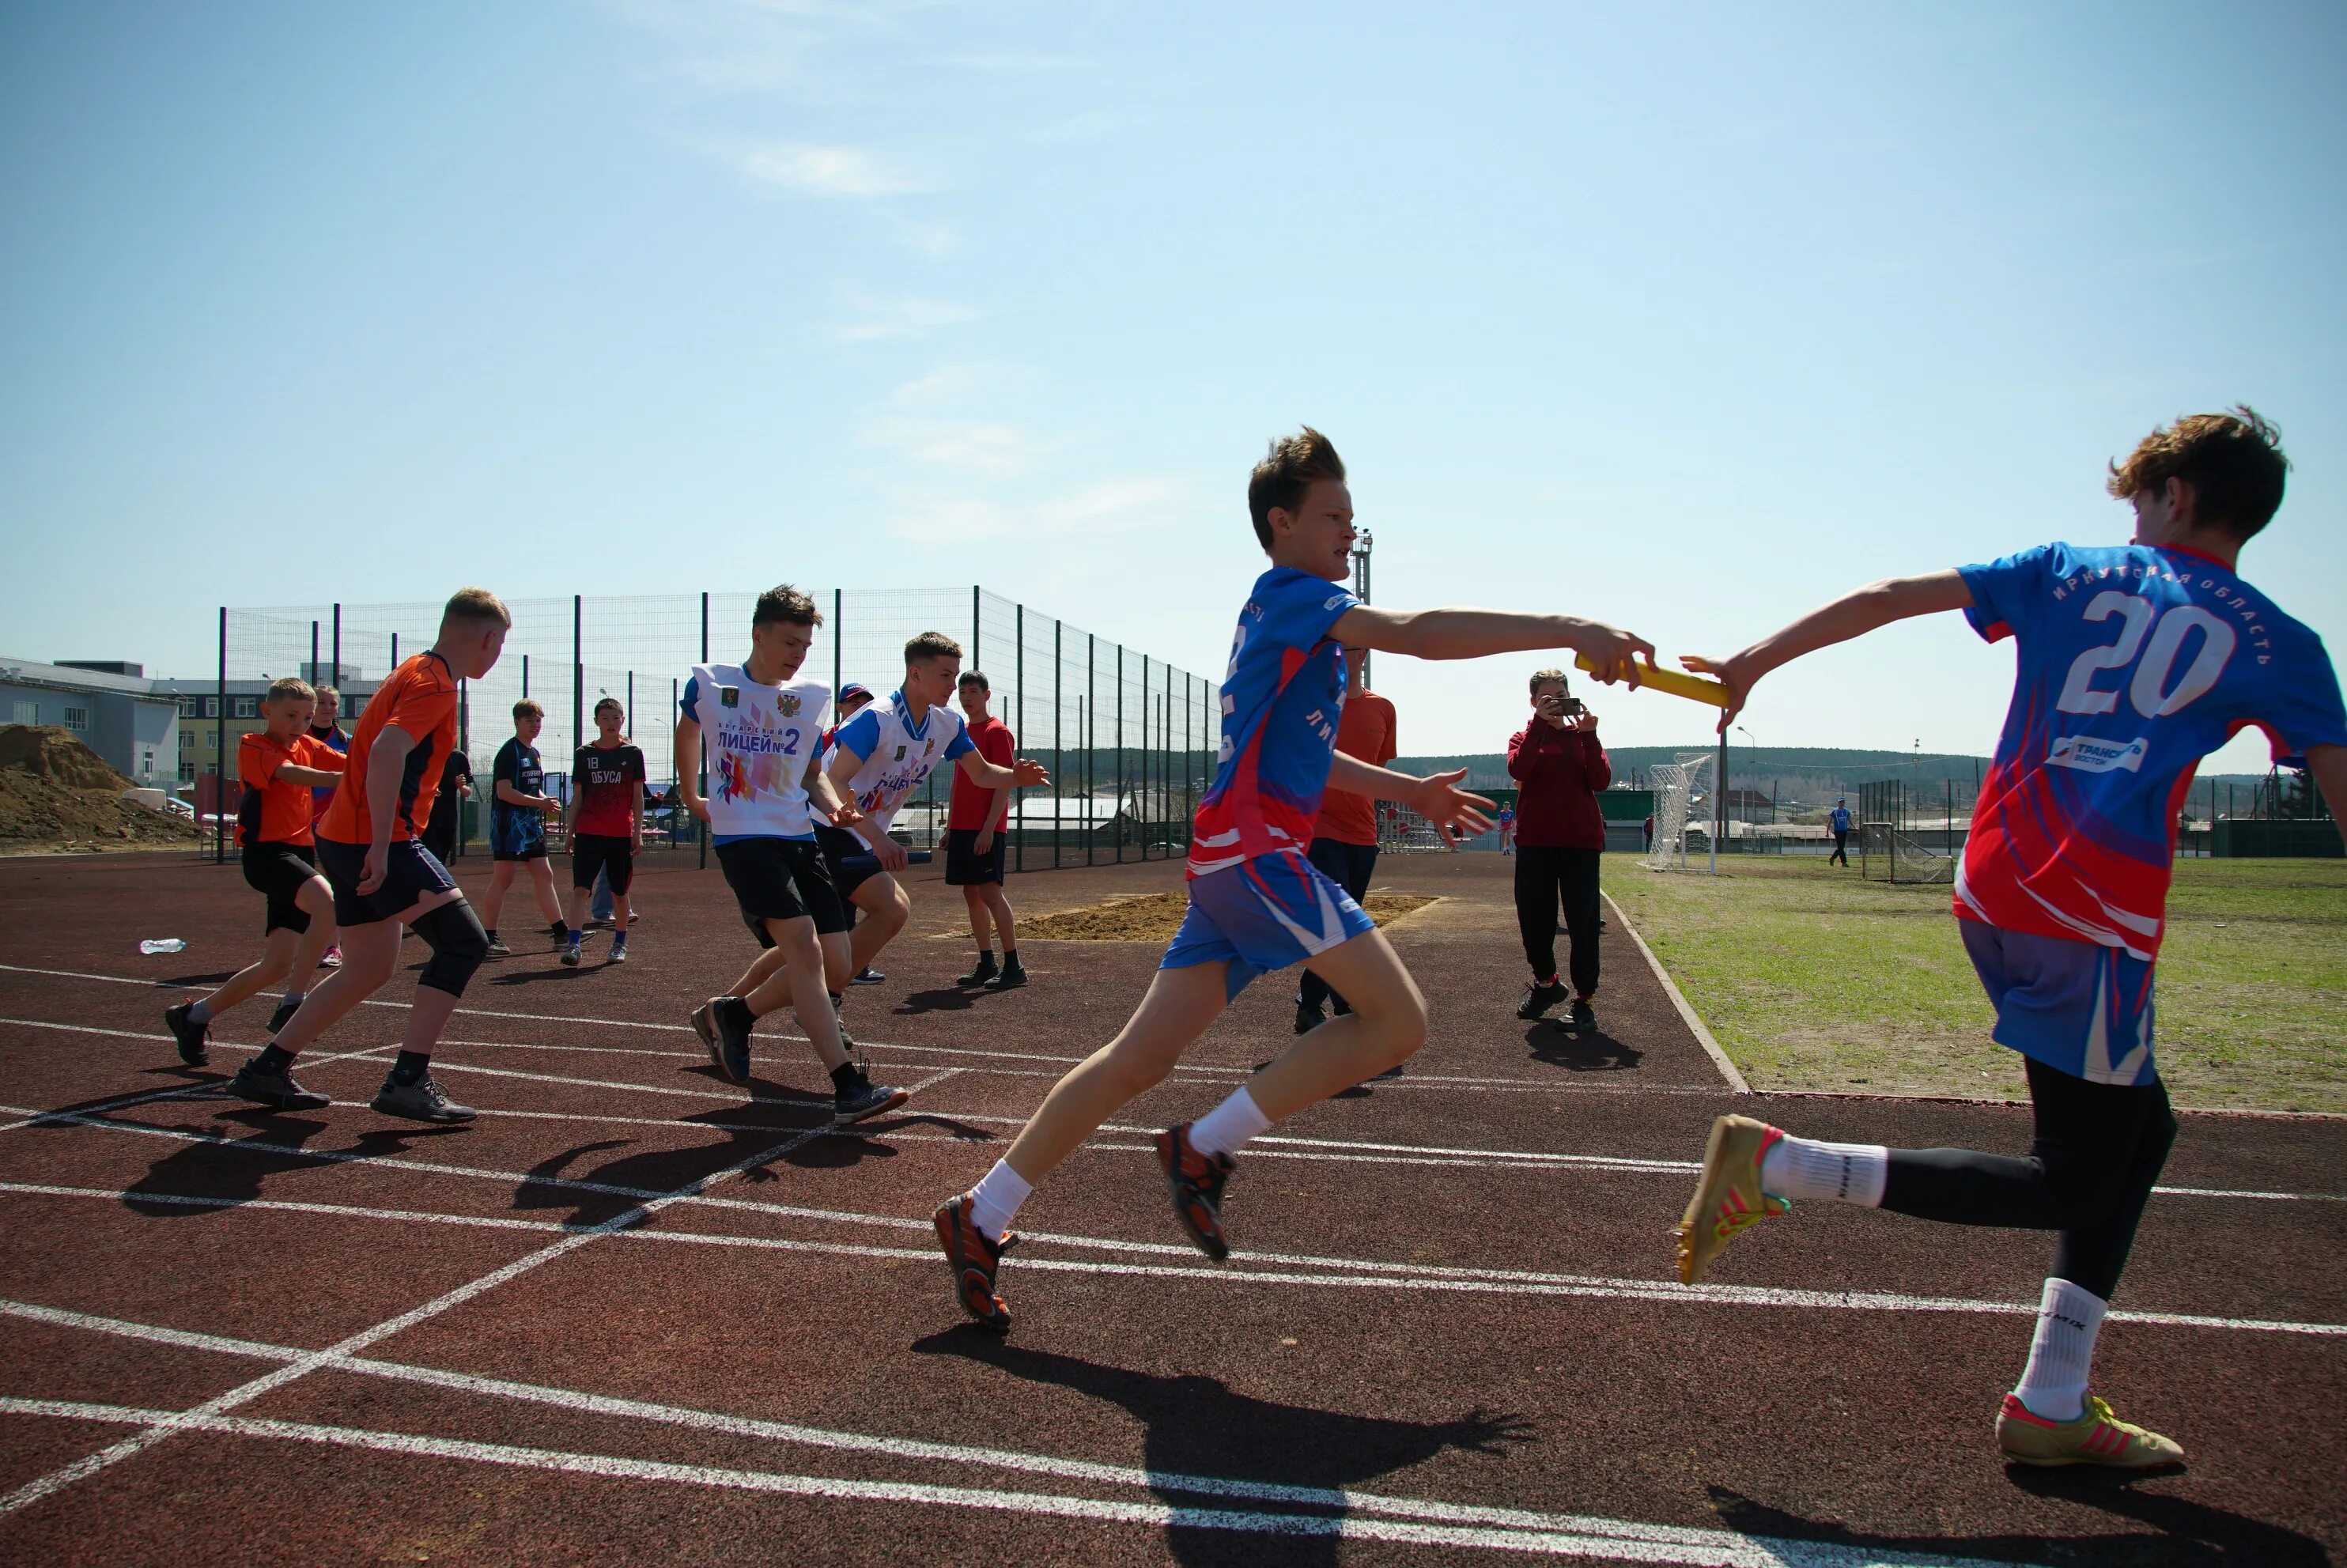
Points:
x=1593 y=1050
x=234 y=1171
x=2178 y=1534
x=1195 y=1426
x=942 y=999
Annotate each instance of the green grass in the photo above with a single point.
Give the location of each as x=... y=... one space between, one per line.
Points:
x=1811 y=979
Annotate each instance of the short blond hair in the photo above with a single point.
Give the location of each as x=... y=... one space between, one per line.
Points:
x=290 y=688
x=477 y=606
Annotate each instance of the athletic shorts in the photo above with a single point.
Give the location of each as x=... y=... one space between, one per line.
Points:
x=1264 y=915
x=411 y=872
x=781 y=880
x=2078 y=1007
x=612 y=854
x=965 y=867
x=277 y=872
x=851 y=859
x=515 y=834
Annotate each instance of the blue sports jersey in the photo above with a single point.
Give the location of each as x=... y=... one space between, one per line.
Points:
x=2133 y=663
x=1282 y=695
x=1841 y=819
x=899 y=753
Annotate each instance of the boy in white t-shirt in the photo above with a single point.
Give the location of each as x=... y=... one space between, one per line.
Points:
x=762 y=727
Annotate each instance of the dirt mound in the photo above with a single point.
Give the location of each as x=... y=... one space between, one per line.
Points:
x=1154 y=917
x=57 y=794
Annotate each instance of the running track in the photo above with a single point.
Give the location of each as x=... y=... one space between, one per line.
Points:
x=635 y=1313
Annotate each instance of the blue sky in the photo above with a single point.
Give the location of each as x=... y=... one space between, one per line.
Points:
x=1683 y=319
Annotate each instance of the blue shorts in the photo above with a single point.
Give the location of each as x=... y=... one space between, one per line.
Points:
x=2078 y=1007
x=1264 y=915
x=515 y=834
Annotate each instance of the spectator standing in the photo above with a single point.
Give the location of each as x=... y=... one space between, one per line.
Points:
x=1507 y=830
x=1345 y=835
x=975 y=822
x=1559 y=767
x=455 y=782
x=853 y=697
x=1840 y=822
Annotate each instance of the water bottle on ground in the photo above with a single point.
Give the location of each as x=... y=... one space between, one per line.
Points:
x=154 y=945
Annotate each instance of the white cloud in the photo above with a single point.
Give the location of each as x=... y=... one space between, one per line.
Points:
x=872 y=319
x=826 y=170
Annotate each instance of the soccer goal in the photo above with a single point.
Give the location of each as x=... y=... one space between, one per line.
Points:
x=1675 y=786
x=1887 y=855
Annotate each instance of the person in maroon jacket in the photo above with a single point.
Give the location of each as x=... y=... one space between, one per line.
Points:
x=1559 y=767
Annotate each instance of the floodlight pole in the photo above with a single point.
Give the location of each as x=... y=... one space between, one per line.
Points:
x=1720 y=804
x=1361 y=588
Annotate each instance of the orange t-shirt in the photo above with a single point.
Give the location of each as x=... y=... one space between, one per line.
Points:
x=420 y=698
x=1365 y=733
x=275 y=812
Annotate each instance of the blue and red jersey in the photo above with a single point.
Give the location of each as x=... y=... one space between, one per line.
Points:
x=1282 y=696
x=2135 y=661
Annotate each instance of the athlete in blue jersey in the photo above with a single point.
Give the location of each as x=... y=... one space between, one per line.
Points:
x=2135 y=661
x=1256 y=903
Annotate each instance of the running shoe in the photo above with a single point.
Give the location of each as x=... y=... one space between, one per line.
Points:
x=421 y=1101
x=867 y=976
x=2096 y=1436
x=1585 y=1017
x=864 y=1101
x=728 y=1042
x=1728 y=1195
x=497 y=950
x=332 y=959
x=275 y=1089
x=1195 y=1183
x=1012 y=977
x=570 y=954
x=192 y=1036
x=973 y=1259
x=984 y=972
x=1540 y=998
x=286 y=1008
x=618 y=954
x=1308 y=1018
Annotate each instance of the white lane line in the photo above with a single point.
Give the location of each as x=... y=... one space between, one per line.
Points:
x=91 y=1464
x=1687 y=1015
x=1245 y=1268
x=1621 y=1539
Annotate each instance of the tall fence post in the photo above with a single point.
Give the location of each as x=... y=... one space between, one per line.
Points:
x=220 y=750
x=394 y=650
x=1059 y=769
x=1019 y=707
x=1088 y=720
x=838 y=638
x=701 y=829
x=1145 y=727
x=577 y=674
x=337 y=681
x=1120 y=753
x=525 y=675
x=465 y=749
x=312 y=673
x=976 y=662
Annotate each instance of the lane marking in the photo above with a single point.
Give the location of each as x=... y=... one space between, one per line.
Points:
x=1687 y=1015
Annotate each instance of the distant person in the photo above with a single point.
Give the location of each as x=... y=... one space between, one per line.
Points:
x=519 y=807
x=1649 y=830
x=2133 y=662
x=1507 y=830
x=975 y=822
x=1559 y=767
x=607 y=826
x=853 y=697
x=325 y=728
x=447 y=806
x=1840 y=822
x=279 y=765
x=1345 y=833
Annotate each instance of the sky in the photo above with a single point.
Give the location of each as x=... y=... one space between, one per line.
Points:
x=1683 y=319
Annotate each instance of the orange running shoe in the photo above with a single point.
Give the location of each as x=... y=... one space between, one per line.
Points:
x=973 y=1260
x=1728 y=1195
x=1194 y=1182
x=2096 y=1436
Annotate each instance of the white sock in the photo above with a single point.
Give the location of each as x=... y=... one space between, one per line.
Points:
x=199 y=1012
x=994 y=1201
x=2062 y=1351
x=1225 y=1129
x=1800 y=1168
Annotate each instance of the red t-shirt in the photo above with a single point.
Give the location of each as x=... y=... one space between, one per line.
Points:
x=275 y=812
x=1365 y=733
x=973 y=804
x=606 y=783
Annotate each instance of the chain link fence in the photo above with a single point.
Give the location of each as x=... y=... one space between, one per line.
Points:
x=1129 y=739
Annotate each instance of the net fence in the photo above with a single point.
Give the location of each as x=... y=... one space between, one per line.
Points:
x=1675 y=786
x=1128 y=738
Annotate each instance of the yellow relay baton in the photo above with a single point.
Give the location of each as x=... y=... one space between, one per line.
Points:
x=1677 y=683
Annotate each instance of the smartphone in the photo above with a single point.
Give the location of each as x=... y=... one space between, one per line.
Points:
x=1574 y=708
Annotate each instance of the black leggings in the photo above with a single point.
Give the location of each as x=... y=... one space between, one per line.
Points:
x=1841 y=847
x=2096 y=1156
x=1349 y=866
x=1545 y=877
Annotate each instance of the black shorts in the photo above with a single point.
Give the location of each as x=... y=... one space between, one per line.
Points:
x=412 y=872
x=851 y=859
x=277 y=872
x=965 y=867
x=781 y=880
x=612 y=854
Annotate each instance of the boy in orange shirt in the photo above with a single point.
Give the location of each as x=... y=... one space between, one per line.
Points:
x=382 y=879
x=1345 y=835
x=279 y=766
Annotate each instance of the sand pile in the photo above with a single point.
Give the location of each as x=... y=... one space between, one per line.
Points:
x=1153 y=918
x=57 y=794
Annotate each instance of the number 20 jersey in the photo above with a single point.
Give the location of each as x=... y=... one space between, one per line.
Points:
x=2135 y=661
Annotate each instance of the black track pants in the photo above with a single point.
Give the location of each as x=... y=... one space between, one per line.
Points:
x=1546 y=879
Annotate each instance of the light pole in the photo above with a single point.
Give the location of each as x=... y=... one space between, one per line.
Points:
x=1756 y=749
x=1361 y=545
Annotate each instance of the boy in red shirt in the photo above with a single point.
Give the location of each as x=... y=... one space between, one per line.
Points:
x=974 y=838
x=278 y=767
x=1345 y=835
x=607 y=826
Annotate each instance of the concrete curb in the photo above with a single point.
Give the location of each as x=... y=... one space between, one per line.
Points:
x=1670 y=989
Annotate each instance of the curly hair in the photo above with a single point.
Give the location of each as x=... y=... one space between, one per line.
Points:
x=2233 y=462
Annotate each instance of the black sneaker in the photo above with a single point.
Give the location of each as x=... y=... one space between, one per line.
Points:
x=729 y=1047
x=1540 y=998
x=570 y=955
x=867 y=976
x=421 y=1101
x=1013 y=976
x=190 y=1035
x=865 y=1100
x=984 y=972
x=497 y=949
x=1195 y=1183
x=275 y=1089
x=286 y=1008
x=1308 y=1018
x=1583 y=1015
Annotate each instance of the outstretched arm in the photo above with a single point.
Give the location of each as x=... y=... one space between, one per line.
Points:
x=1021 y=775
x=1473 y=634
x=1854 y=614
x=1439 y=799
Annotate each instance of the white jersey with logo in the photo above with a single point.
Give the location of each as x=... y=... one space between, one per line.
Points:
x=898 y=754
x=758 y=739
